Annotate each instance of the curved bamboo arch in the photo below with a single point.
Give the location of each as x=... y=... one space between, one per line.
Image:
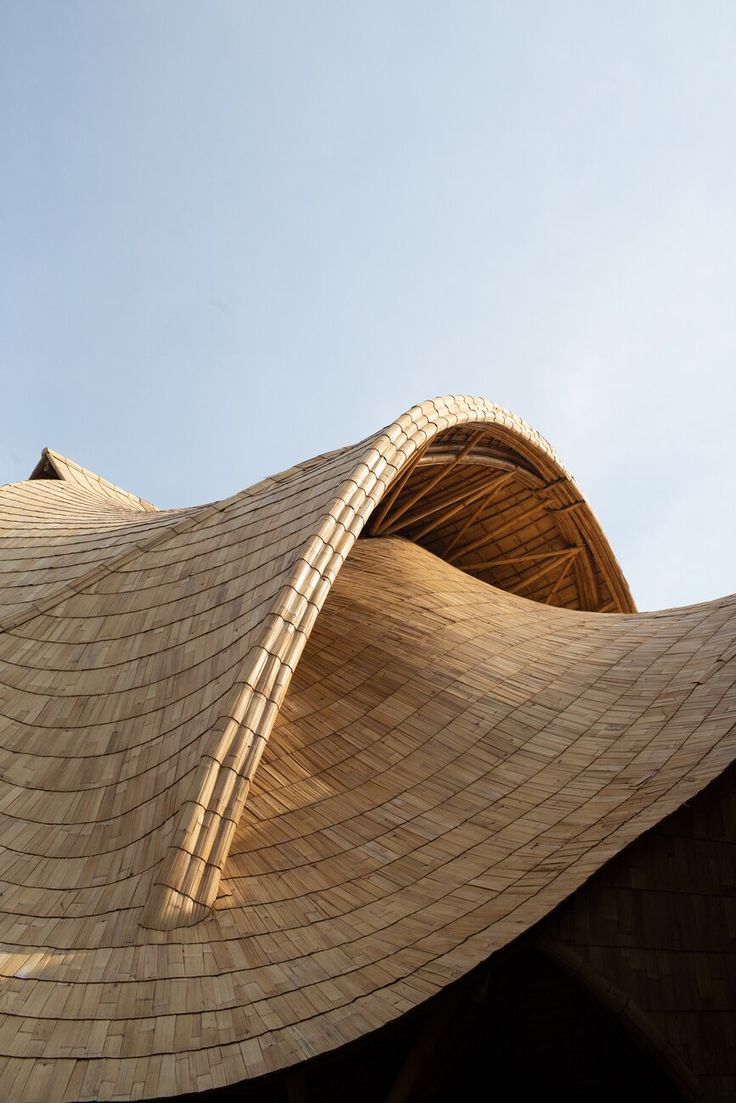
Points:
x=452 y=761
x=625 y=1010
x=480 y=470
x=187 y=882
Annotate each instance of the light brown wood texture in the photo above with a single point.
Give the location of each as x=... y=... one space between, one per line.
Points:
x=54 y=466
x=209 y=872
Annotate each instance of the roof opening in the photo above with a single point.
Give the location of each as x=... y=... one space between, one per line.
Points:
x=494 y=507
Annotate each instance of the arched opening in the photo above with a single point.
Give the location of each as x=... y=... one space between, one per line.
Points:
x=493 y=505
x=519 y=1027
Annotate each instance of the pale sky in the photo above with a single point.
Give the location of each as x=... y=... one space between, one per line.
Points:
x=234 y=235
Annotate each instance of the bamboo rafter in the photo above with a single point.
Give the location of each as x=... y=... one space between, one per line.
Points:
x=515 y=522
x=568 y=554
x=424 y=490
x=397 y=486
x=533 y=557
x=566 y=568
x=486 y=495
x=461 y=495
x=471 y=519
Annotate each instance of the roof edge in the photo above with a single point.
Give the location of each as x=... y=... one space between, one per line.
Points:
x=187 y=881
x=52 y=465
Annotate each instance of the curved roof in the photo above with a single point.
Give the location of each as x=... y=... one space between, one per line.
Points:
x=451 y=760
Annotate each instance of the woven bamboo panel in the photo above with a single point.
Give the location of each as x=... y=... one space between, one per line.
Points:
x=209 y=873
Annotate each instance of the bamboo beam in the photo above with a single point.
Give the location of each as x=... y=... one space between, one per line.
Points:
x=441 y=474
x=536 y=575
x=445 y=496
x=459 y=494
x=631 y=1019
x=566 y=566
x=397 y=486
x=447 y=514
x=491 y=537
x=485 y=499
x=494 y=488
x=532 y=557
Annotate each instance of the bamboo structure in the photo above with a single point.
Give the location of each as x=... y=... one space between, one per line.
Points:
x=278 y=771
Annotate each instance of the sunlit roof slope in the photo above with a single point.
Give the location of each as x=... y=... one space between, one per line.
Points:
x=264 y=789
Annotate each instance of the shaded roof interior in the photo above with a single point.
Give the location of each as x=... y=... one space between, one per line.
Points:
x=506 y=516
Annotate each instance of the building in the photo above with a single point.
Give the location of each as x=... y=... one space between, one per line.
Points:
x=365 y=781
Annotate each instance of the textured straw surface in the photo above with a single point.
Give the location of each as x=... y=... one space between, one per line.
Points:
x=450 y=761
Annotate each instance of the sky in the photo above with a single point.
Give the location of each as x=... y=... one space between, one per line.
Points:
x=235 y=235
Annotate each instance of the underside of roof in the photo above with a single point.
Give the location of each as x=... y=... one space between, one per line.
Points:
x=264 y=789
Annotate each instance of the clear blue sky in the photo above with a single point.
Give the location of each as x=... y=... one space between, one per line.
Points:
x=234 y=235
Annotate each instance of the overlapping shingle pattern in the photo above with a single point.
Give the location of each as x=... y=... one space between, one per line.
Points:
x=450 y=762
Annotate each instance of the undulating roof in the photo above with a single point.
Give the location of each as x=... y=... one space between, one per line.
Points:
x=264 y=788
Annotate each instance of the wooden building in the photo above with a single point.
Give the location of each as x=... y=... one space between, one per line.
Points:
x=366 y=782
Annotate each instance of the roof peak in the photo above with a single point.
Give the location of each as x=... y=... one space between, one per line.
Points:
x=52 y=465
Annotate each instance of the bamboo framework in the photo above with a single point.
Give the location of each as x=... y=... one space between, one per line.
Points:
x=276 y=770
x=523 y=511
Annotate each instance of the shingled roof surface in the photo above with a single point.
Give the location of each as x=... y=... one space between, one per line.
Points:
x=263 y=789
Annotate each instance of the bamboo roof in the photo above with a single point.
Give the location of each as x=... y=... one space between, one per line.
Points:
x=264 y=788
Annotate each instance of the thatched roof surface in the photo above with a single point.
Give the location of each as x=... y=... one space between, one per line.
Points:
x=210 y=870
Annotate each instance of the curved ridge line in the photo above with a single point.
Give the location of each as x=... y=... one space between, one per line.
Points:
x=190 y=873
x=192 y=517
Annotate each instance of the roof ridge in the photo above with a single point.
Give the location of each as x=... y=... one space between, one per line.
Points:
x=63 y=465
x=190 y=519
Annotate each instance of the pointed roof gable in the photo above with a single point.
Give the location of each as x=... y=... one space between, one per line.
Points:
x=52 y=465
